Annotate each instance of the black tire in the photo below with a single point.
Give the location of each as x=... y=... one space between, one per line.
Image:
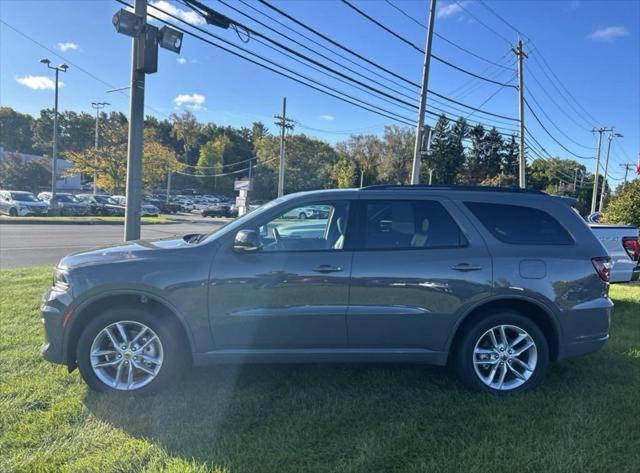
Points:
x=13 y=212
x=174 y=358
x=302 y=216
x=463 y=357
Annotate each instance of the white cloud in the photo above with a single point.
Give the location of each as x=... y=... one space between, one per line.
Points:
x=446 y=10
x=328 y=118
x=181 y=60
x=192 y=101
x=38 y=82
x=609 y=33
x=64 y=47
x=187 y=15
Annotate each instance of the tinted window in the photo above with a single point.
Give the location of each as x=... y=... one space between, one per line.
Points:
x=519 y=225
x=398 y=224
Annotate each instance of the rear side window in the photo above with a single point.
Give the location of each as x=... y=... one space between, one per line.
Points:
x=409 y=224
x=518 y=225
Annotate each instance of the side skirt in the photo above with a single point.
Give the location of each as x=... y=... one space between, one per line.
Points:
x=316 y=355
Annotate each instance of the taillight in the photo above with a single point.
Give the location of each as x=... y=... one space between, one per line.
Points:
x=632 y=245
x=602 y=264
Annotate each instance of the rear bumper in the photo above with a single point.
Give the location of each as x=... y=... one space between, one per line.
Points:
x=585 y=327
x=635 y=276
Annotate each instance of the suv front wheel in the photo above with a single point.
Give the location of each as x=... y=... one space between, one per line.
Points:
x=128 y=351
x=501 y=353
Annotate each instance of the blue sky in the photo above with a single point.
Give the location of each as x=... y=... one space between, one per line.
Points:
x=592 y=46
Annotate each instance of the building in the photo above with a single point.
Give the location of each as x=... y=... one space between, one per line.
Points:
x=64 y=183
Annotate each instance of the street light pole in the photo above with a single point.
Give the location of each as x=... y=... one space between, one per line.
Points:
x=612 y=135
x=98 y=106
x=54 y=164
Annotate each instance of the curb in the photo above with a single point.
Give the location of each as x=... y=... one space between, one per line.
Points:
x=45 y=221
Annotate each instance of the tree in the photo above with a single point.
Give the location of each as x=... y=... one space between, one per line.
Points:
x=510 y=158
x=343 y=172
x=15 y=130
x=435 y=162
x=211 y=160
x=473 y=169
x=458 y=133
x=395 y=167
x=362 y=154
x=186 y=129
x=31 y=175
x=624 y=206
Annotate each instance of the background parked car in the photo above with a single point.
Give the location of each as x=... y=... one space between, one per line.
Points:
x=146 y=209
x=66 y=204
x=301 y=213
x=219 y=209
x=20 y=203
x=164 y=206
x=102 y=205
x=186 y=204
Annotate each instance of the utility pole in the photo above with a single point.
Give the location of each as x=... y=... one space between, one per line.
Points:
x=98 y=106
x=136 y=125
x=417 y=151
x=54 y=164
x=612 y=135
x=522 y=160
x=361 y=178
x=284 y=123
x=594 y=196
x=168 y=187
x=626 y=167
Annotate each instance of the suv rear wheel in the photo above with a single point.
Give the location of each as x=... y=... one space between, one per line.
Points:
x=129 y=351
x=501 y=353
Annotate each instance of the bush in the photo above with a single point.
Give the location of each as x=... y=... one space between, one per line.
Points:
x=624 y=206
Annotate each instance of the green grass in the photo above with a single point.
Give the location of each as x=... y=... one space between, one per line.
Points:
x=158 y=219
x=296 y=418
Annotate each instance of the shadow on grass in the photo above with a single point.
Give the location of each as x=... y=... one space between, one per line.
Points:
x=366 y=417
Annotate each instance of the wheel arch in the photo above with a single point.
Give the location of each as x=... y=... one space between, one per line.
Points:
x=84 y=313
x=533 y=310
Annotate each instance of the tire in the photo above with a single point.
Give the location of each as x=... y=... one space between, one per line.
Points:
x=302 y=216
x=13 y=212
x=477 y=337
x=172 y=353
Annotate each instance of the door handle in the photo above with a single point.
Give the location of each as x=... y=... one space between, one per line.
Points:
x=327 y=268
x=464 y=267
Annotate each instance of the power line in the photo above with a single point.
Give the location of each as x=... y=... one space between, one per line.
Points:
x=227 y=173
x=551 y=136
x=319 y=44
x=338 y=132
x=494 y=13
x=483 y=23
x=335 y=43
x=435 y=33
x=420 y=50
x=311 y=49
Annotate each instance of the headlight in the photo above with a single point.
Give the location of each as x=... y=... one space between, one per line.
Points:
x=60 y=279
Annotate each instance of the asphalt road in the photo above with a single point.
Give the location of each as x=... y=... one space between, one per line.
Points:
x=44 y=245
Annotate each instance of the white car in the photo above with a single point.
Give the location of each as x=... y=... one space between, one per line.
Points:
x=20 y=203
x=301 y=213
x=185 y=203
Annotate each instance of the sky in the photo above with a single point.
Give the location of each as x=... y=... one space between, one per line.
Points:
x=590 y=48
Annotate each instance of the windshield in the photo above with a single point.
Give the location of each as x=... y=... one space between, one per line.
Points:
x=66 y=198
x=23 y=197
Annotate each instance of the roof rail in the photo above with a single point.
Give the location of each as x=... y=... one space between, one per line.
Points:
x=451 y=188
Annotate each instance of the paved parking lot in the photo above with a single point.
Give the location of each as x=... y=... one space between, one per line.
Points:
x=37 y=245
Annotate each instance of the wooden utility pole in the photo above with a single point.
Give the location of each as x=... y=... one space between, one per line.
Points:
x=417 y=151
x=284 y=123
x=626 y=167
x=522 y=160
x=594 y=196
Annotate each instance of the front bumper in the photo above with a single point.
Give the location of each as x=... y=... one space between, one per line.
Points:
x=24 y=212
x=54 y=307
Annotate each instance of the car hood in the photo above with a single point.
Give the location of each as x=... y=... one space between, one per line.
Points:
x=133 y=250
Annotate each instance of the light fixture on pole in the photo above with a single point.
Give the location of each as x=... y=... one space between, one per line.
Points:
x=144 y=60
x=54 y=158
x=97 y=106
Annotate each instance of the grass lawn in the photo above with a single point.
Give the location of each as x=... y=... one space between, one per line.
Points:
x=297 y=418
x=159 y=219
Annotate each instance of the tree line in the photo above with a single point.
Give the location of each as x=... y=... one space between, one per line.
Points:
x=209 y=157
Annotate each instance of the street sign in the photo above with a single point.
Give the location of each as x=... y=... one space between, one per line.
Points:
x=242 y=185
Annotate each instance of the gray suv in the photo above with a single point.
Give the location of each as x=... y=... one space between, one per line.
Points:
x=494 y=282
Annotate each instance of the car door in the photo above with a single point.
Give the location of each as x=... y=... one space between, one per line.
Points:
x=418 y=263
x=293 y=292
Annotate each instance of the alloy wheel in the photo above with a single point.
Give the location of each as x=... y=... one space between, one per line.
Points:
x=126 y=355
x=505 y=357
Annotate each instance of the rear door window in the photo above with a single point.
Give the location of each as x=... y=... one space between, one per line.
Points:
x=519 y=225
x=409 y=224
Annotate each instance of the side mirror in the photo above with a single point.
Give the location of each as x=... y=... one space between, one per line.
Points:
x=247 y=241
